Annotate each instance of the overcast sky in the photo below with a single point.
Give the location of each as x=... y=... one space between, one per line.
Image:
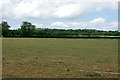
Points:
x=61 y=14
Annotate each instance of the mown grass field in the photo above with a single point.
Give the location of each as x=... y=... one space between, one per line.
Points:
x=59 y=58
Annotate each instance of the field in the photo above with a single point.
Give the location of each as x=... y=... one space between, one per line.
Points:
x=59 y=58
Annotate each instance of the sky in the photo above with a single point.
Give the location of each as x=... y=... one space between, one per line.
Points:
x=61 y=14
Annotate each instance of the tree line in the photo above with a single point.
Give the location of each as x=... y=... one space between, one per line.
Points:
x=27 y=29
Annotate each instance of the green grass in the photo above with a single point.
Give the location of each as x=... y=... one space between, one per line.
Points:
x=59 y=58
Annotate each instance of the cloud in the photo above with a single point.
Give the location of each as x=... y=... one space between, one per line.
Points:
x=46 y=9
x=39 y=25
x=98 y=20
x=99 y=24
x=70 y=11
x=36 y=10
x=58 y=24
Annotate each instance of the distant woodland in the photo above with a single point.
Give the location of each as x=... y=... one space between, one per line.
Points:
x=27 y=29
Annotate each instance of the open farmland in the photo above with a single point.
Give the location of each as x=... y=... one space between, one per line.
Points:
x=59 y=58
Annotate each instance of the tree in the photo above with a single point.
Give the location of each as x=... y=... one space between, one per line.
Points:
x=27 y=28
x=5 y=28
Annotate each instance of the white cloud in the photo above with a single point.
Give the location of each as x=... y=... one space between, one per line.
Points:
x=78 y=25
x=98 y=20
x=24 y=9
x=85 y=25
x=39 y=25
x=58 y=24
x=70 y=11
x=60 y=9
x=44 y=9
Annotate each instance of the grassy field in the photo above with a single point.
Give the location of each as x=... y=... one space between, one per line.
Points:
x=59 y=58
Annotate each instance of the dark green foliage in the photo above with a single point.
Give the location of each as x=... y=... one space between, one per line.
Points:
x=36 y=57
x=29 y=30
x=39 y=32
x=73 y=33
x=3 y=58
x=5 y=28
